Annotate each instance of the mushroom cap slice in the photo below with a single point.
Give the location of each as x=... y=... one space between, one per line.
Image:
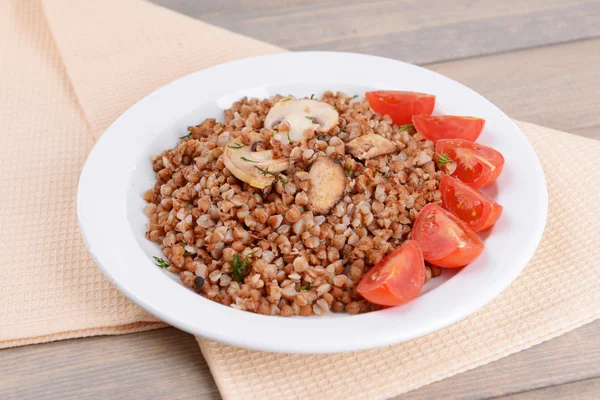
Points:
x=327 y=184
x=257 y=168
x=370 y=146
x=301 y=115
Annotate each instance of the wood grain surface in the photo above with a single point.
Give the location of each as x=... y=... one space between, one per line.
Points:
x=556 y=86
x=415 y=31
x=519 y=54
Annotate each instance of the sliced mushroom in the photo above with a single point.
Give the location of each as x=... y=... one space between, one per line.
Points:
x=301 y=115
x=369 y=146
x=258 y=168
x=327 y=184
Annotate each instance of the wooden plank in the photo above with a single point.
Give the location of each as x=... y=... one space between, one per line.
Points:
x=571 y=357
x=167 y=363
x=592 y=132
x=160 y=364
x=588 y=389
x=556 y=86
x=418 y=32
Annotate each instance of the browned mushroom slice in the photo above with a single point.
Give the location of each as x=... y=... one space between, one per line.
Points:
x=301 y=115
x=369 y=146
x=327 y=184
x=258 y=168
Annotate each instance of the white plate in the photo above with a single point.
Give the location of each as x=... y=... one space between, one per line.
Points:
x=118 y=171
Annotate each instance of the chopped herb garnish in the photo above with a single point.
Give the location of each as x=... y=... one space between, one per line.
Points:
x=221 y=125
x=241 y=267
x=185 y=252
x=265 y=172
x=308 y=286
x=343 y=128
x=272 y=133
x=355 y=96
x=349 y=171
x=443 y=159
x=186 y=136
x=237 y=146
x=247 y=160
x=336 y=109
x=161 y=262
x=312 y=96
x=308 y=117
x=286 y=99
x=405 y=127
x=289 y=138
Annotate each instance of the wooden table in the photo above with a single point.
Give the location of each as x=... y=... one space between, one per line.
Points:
x=538 y=60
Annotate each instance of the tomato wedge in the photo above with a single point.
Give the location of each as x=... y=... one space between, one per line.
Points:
x=474 y=164
x=397 y=278
x=448 y=127
x=475 y=209
x=401 y=106
x=445 y=240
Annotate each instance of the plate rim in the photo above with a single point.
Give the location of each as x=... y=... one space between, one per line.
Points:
x=242 y=341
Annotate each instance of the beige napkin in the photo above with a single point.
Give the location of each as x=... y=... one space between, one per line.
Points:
x=67 y=69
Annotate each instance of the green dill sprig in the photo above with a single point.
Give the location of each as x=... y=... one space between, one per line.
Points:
x=241 y=267
x=185 y=252
x=265 y=172
x=248 y=160
x=161 y=262
x=286 y=99
x=355 y=96
x=443 y=159
x=308 y=117
x=406 y=127
x=349 y=171
x=312 y=96
x=186 y=136
x=300 y=288
x=237 y=146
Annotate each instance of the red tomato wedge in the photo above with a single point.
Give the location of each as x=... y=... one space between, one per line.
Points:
x=401 y=106
x=397 y=278
x=474 y=164
x=475 y=209
x=445 y=240
x=448 y=127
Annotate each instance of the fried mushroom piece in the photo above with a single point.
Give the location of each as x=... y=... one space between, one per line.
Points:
x=370 y=146
x=327 y=184
x=257 y=168
x=301 y=115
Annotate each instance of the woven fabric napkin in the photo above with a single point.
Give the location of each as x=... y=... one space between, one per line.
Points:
x=67 y=69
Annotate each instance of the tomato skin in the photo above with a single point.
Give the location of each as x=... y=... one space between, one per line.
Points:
x=401 y=106
x=445 y=240
x=448 y=127
x=397 y=278
x=476 y=165
x=475 y=209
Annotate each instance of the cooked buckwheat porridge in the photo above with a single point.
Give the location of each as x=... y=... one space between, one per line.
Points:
x=284 y=205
